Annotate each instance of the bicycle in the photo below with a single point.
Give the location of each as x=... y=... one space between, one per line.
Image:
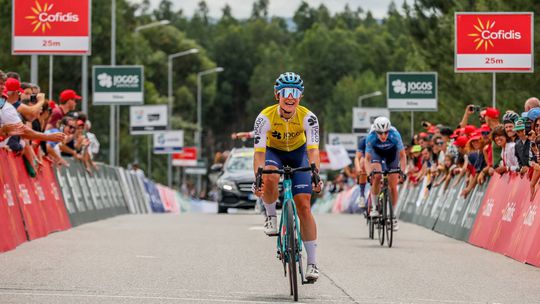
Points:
x=384 y=223
x=289 y=251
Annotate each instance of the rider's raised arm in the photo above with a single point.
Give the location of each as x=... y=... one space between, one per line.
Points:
x=261 y=127
x=311 y=127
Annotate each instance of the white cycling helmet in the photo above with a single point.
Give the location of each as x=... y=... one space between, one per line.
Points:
x=381 y=124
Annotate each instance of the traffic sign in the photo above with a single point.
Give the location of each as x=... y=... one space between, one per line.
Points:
x=168 y=142
x=118 y=85
x=147 y=119
x=363 y=118
x=411 y=91
x=186 y=158
x=51 y=27
x=494 y=42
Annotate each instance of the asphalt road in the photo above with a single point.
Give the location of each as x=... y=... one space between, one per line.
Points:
x=207 y=258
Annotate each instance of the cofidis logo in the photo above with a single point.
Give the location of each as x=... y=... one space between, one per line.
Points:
x=485 y=34
x=44 y=17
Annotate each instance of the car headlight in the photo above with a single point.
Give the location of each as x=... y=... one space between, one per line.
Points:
x=227 y=185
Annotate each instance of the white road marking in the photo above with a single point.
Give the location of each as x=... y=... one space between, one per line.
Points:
x=256 y=228
x=146 y=257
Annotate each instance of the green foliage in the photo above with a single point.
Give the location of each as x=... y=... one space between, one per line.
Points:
x=340 y=57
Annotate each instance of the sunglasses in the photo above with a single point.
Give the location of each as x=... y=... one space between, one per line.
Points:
x=440 y=143
x=382 y=132
x=485 y=133
x=71 y=127
x=287 y=92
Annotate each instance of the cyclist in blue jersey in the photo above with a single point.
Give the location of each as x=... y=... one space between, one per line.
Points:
x=384 y=151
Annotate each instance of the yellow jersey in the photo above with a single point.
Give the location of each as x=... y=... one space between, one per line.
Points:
x=272 y=130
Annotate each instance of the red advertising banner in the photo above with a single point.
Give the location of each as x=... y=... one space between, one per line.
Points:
x=506 y=222
x=12 y=231
x=51 y=27
x=186 y=158
x=50 y=196
x=494 y=42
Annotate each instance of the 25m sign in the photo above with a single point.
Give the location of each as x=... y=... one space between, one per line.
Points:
x=494 y=42
x=51 y=27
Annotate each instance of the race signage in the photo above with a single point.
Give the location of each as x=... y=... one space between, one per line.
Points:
x=411 y=91
x=347 y=140
x=147 y=119
x=494 y=42
x=363 y=118
x=118 y=85
x=186 y=158
x=51 y=27
x=338 y=157
x=168 y=142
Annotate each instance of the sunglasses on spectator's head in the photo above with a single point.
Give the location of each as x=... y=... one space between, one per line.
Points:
x=382 y=132
x=286 y=92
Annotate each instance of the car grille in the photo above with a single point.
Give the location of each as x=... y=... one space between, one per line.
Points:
x=246 y=187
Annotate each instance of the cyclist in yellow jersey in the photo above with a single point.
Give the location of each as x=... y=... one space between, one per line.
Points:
x=288 y=134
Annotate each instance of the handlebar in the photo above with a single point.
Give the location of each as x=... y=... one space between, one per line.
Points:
x=288 y=171
x=388 y=172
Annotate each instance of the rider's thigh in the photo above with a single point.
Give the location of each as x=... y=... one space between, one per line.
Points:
x=376 y=167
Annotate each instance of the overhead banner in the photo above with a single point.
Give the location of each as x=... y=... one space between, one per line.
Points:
x=494 y=42
x=411 y=91
x=363 y=118
x=147 y=119
x=186 y=158
x=118 y=85
x=51 y=27
x=168 y=142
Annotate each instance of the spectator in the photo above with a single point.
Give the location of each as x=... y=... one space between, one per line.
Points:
x=530 y=103
x=94 y=142
x=13 y=92
x=509 y=161
x=535 y=165
x=508 y=120
x=137 y=170
x=67 y=148
x=523 y=146
x=68 y=103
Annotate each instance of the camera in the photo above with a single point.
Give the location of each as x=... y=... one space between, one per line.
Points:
x=474 y=109
x=425 y=124
x=33 y=98
x=528 y=126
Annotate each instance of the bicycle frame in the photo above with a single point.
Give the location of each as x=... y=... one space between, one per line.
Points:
x=287 y=199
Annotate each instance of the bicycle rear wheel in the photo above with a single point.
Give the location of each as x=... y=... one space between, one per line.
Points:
x=389 y=220
x=292 y=247
x=381 y=220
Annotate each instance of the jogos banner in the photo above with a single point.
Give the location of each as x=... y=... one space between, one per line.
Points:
x=51 y=27
x=494 y=42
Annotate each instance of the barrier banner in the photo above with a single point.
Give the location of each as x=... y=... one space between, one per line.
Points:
x=129 y=192
x=451 y=198
x=12 y=232
x=435 y=195
x=502 y=207
x=140 y=194
x=49 y=196
x=465 y=224
x=33 y=215
x=155 y=201
x=145 y=195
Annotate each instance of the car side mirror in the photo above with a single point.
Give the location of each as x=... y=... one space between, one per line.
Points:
x=216 y=168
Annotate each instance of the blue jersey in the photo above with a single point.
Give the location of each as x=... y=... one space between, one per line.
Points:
x=362 y=145
x=392 y=144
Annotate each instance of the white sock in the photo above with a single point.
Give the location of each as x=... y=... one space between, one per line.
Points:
x=311 y=250
x=270 y=208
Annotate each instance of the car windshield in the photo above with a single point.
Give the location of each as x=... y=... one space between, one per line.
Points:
x=240 y=162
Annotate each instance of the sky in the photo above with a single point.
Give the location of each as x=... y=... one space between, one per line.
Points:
x=282 y=8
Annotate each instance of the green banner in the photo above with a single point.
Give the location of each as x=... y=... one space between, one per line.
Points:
x=415 y=91
x=120 y=85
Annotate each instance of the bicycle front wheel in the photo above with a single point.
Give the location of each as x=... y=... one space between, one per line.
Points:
x=381 y=220
x=389 y=220
x=292 y=248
